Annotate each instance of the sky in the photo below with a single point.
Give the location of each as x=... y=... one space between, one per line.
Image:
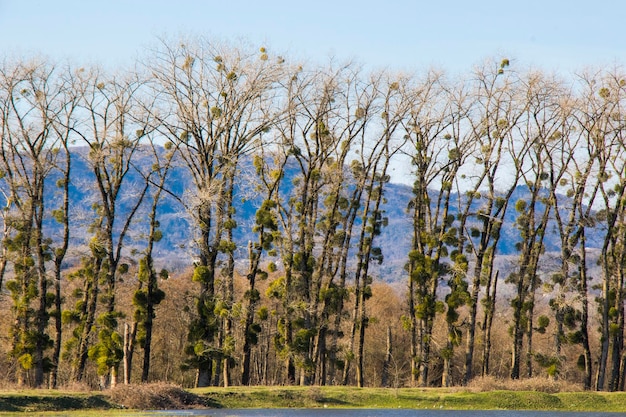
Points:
x=453 y=35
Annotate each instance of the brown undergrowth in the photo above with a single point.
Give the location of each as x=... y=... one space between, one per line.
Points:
x=537 y=384
x=157 y=396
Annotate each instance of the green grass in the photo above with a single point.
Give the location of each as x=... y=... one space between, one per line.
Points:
x=60 y=403
x=44 y=400
x=315 y=397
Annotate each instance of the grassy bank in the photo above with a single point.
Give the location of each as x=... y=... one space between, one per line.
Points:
x=160 y=396
x=315 y=397
x=50 y=400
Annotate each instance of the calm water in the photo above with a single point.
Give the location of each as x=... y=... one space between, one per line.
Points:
x=370 y=413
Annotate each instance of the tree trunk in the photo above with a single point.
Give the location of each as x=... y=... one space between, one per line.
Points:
x=253 y=256
x=518 y=330
x=41 y=323
x=320 y=355
x=353 y=332
x=584 y=321
x=618 y=333
x=446 y=378
x=471 y=329
x=148 y=325
x=130 y=333
x=413 y=334
x=88 y=319
x=605 y=339
x=384 y=380
x=491 y=287
x=113 y=376
x=203 y=377
x=529 y=336
x=475 y=292
x=425 y=342
x=58 y=329
x=360 y=377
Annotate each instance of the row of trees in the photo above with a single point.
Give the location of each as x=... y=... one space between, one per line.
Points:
x=314 y=147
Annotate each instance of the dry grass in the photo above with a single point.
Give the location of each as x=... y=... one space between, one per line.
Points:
x=157 y=396
x=76 y=387
x=536 y=384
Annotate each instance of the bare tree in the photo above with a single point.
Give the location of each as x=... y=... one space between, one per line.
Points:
x=63 y=125
x=436 y=160
x=216 y=102
x=542 y=166
x=112 y=140
x=376 y=155
x=602 y=121
x=573 y=215
x=149 y=295
x=493 y=111
x=31 y=99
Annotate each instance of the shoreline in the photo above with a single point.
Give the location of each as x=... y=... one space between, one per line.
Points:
x=107 y=403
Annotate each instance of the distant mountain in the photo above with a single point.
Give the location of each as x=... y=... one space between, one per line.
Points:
x=175 y=249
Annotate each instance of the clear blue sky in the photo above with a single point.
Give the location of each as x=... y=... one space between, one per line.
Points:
x=453 y=35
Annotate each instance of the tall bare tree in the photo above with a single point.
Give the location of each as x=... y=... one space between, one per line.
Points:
x=112 y=139
x=216 y=101
x=543 y=165
x=573 y=216
x=493 y=111
x=436 y=162
x=601 y=118
x=31 y=99
x=376 y=150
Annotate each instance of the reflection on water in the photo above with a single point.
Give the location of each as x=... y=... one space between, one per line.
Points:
x=319 y=412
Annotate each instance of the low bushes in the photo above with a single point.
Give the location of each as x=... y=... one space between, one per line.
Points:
x=530 y=384
x=158 y=396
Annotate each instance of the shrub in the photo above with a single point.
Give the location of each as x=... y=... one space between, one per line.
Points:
x=537 y=384
x=157 y=396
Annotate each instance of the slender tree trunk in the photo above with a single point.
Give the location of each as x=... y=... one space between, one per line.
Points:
x=126 y=359
x=384 y=380
x=617 y=345
x=247 y=345
x=206 y=300
x=130 y=336
x=492 y=287
x=474 y=294
x=41 y=320
x=320 y=355
x=529 y=335
x=446 y=377
x=362 y=324
x=148 y=325
x=471 y=327
x=230 y=284
x=413 y=334
x=254 y=257
x=605 y=339
x=113 y=377
x=584 y=322
x=87 y=322
x=290 y=368
x=623 y=374
x=424 y=369
x=58 y=328
x=353 y=331
x=3 y=256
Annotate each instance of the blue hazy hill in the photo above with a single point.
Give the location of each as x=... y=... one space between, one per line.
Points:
x=176 y=247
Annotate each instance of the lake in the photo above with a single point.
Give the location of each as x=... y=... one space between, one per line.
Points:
x=359 y=412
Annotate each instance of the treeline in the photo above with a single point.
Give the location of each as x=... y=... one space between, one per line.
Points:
x=322 y=141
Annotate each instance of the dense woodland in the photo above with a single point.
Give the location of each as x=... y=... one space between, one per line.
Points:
x=84 y=302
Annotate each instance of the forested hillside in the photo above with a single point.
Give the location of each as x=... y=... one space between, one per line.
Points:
x=220 y=215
